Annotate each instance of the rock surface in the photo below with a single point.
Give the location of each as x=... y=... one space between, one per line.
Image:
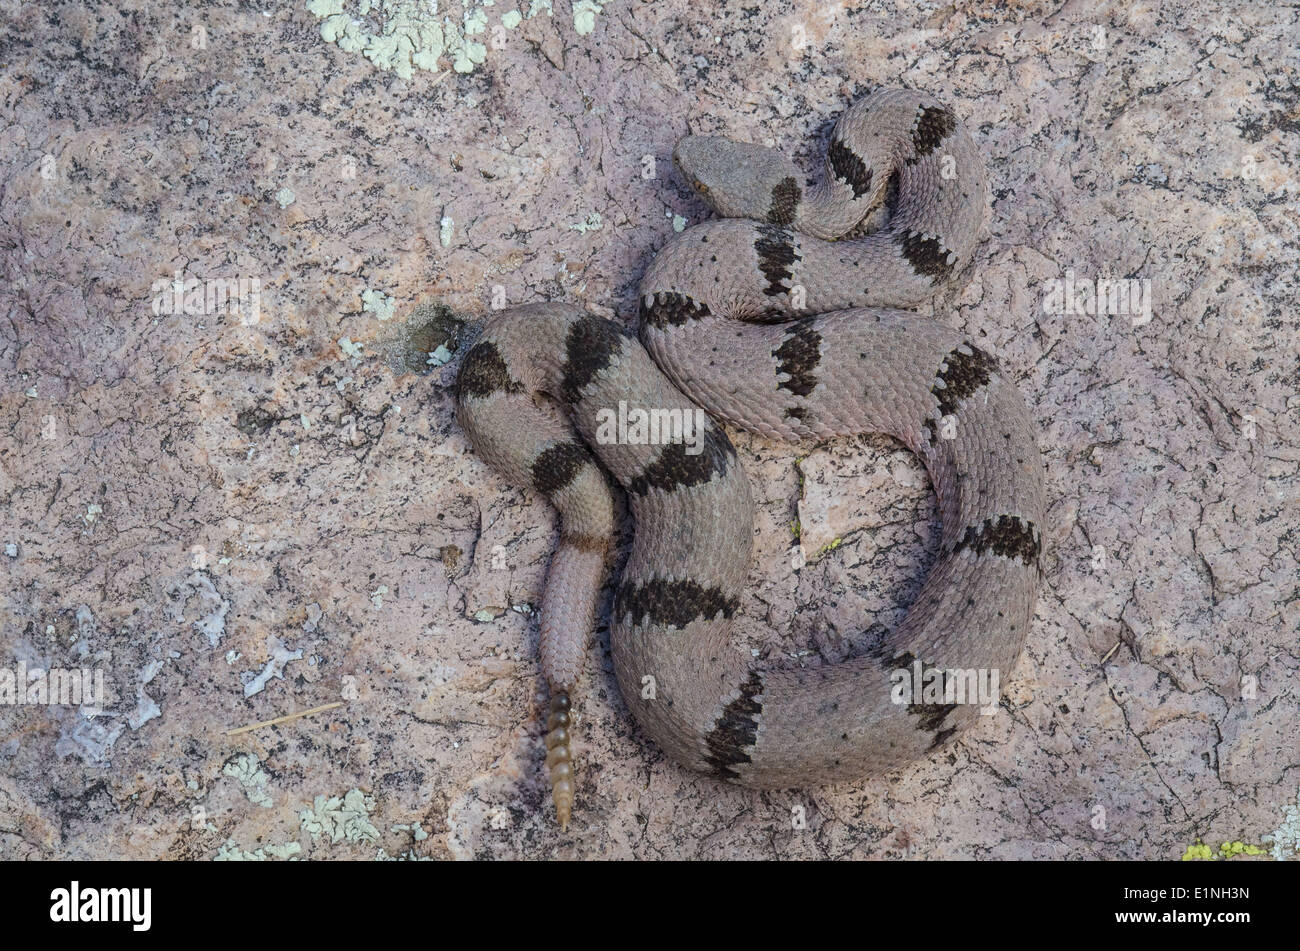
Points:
x=237 y=513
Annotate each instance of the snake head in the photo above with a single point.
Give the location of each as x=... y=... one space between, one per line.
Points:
x=737 y=179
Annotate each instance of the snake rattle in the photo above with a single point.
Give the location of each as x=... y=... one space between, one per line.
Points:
x=775 y=318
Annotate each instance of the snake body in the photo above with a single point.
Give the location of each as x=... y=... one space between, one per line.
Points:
x=776 y=318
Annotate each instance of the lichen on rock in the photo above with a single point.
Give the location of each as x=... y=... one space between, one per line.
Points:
x=403 y=36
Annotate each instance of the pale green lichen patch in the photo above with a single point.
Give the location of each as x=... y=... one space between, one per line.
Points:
x=408 y=35
x=285 y=197
x=377 y=303
x=341 y=819
x=325 y=8
x=592 y=222
x=1285 y=839
x=465 y=52
x=416 y=830
x=351 y=350
x=418 y=834
x=230 y=852
x=584 y=15
x=247 y=771
x=397 y=35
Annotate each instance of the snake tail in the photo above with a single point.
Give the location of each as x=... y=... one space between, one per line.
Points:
x=559 y=759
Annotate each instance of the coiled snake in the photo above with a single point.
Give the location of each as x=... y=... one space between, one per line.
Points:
x=771 y=319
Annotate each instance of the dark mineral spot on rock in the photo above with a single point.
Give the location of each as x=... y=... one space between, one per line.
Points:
x=254 y=421
x=430 y=327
